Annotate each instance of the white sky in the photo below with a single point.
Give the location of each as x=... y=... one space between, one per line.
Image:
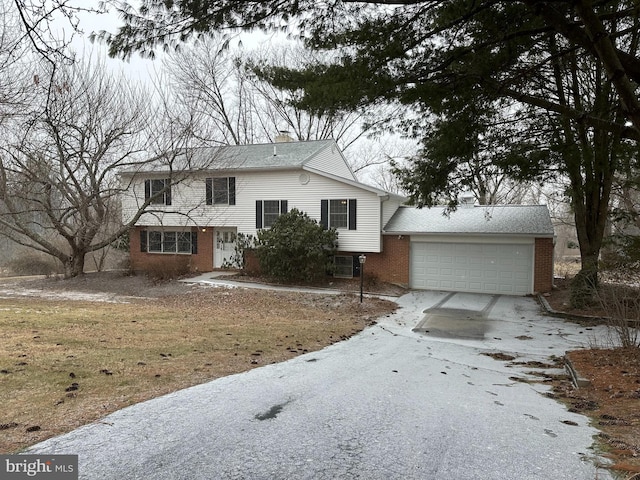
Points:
x=136 y=68
x=142 y=70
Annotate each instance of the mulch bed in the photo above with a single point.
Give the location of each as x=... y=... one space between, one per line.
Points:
x=612 y=400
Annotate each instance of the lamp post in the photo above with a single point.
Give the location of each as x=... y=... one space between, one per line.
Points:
x=362 y=258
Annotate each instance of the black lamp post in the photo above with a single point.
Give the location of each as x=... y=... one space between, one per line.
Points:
x=362 y=259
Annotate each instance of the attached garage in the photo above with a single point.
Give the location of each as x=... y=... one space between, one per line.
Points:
x=472 y=267
x=505 y=249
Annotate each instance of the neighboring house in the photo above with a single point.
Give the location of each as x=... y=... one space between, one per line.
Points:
x=234 y=190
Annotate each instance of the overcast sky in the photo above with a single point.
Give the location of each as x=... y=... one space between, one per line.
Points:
x=136 y=67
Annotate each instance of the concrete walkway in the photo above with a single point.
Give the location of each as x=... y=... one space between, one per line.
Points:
x=223 y=279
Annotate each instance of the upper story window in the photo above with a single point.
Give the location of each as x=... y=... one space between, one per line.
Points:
x=158 y=190
x=338 y=213
x=221 y=190
x=267 y=211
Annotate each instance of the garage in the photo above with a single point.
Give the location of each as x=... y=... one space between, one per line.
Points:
x=496 y=249
x=472 y=267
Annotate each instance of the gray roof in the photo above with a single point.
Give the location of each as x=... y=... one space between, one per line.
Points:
x=530 y=220
x=267 y=156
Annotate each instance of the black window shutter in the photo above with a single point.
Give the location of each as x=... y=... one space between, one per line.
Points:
x=352 y=214
x=194 y=242
x=167 y=194
x=356 y=266
x=283 y=207
x=208 y=190
x=232 y=190
x=147 y=189
x=258 y=213
x=143 y=240
x=324 y=213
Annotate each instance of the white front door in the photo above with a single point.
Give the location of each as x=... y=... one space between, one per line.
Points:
x=225 y=248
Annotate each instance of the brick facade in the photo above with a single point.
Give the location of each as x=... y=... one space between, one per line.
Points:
x=392 y=264
x=543 y=265
x=148 y=262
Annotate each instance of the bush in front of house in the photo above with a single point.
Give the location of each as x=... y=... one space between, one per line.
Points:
x=296 y=248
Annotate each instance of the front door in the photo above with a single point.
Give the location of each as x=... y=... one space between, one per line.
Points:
x=225 y=248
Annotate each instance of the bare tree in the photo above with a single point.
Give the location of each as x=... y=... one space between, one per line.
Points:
x=281 y=107
x=239 y=106
x=58 y=172
x=370 y=159
x=35 y=41
x=208 y=78
x=16 y=63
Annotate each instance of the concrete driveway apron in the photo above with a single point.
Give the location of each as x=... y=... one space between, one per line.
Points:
x=389 y=403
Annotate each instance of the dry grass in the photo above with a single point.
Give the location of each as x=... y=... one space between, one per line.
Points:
x=64 y=364
x=566 y=269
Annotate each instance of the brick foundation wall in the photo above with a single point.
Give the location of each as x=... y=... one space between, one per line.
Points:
x=543 y=267
x=392 y=264
x=146 y=262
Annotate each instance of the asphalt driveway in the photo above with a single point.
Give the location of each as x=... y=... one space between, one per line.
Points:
x=390 y=403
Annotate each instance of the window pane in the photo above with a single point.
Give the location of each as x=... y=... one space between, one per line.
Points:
x=169 y=244
x=221 y=190
x=156 y=187
x=271 y=212
x=155 y=242
x=338 y=213
x=343 y=266
x=184 y=242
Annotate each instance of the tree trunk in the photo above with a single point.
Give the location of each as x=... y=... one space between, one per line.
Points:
x=74 y=265
x=585 y=284
x=590 y=158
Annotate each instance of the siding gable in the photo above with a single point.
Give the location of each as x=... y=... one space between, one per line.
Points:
x=330 y=160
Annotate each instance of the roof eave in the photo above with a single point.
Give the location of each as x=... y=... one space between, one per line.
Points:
x=379 y=192
x=278 y=168
x=469 y=234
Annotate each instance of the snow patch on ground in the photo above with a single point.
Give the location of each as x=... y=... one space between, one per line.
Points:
x=63 y=295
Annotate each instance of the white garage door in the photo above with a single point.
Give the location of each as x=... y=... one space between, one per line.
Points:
x=472 y=267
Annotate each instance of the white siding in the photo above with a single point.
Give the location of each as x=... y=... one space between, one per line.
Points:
x=330 y=160
x=389 y=207
x=188 y=205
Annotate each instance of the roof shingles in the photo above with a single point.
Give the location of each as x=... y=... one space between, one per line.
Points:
x=477 y=220
x=266 y=156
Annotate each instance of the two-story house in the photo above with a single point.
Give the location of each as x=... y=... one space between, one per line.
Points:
x=198 y=209
x=242 y=189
